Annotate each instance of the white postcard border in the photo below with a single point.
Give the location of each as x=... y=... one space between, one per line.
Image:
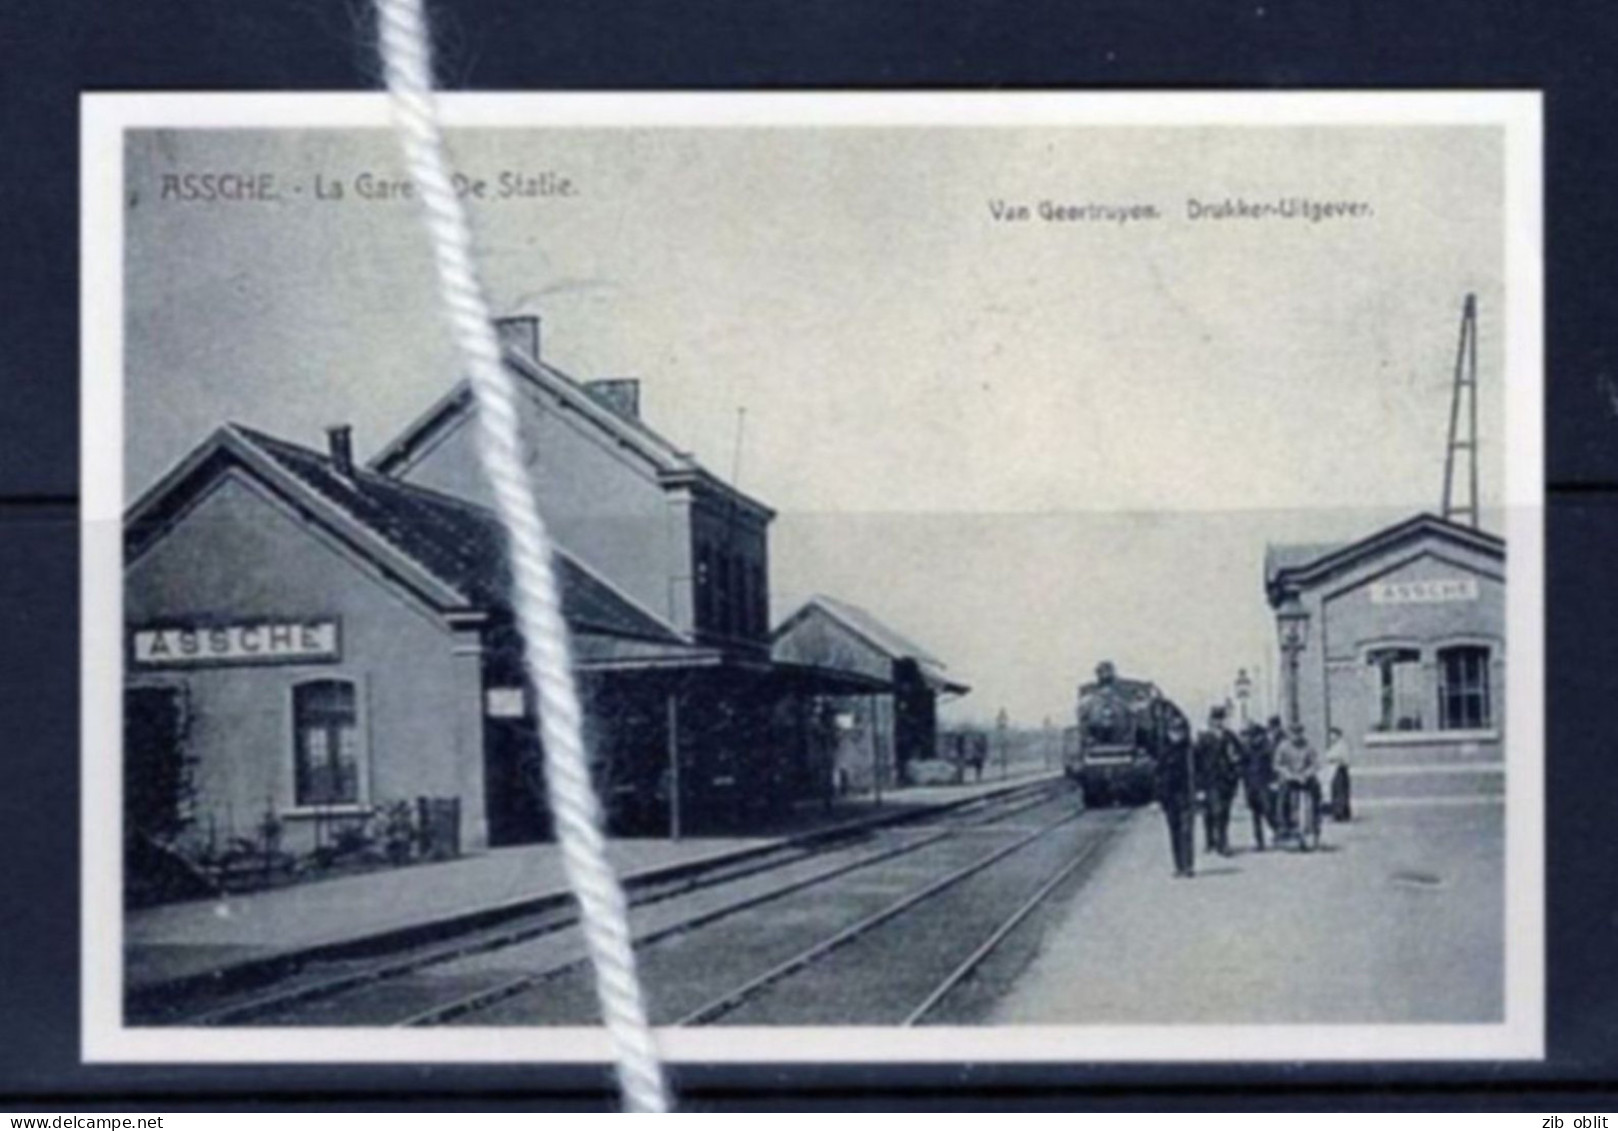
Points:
x=105 y=1038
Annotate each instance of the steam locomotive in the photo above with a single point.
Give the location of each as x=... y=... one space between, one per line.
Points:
x=1112 y=751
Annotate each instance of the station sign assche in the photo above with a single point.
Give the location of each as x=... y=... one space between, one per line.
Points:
x=1436 y=591
x=240 y=642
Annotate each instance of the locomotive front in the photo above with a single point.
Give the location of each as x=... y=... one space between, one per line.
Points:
x=1111 y=759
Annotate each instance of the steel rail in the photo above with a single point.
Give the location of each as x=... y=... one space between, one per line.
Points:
x=990 y=944
x=494 y=995
x=723 y=1005
x=239 y=1012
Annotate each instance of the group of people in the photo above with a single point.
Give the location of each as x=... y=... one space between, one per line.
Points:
x=1266 y=763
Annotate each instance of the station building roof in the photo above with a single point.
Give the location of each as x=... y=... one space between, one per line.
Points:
x=1301 y=564
x=538 y=379
x=875 y=633
x=447 y=551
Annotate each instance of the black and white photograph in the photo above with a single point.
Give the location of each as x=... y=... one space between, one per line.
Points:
x=1047 y=576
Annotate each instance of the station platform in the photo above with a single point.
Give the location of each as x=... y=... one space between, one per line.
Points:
x=177 y=946
x=1398 y=917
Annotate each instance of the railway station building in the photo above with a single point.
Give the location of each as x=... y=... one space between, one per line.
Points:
x=646 y=516
x=319 y=640
x=1397 y=639
x=876 y=732
x=309 y=639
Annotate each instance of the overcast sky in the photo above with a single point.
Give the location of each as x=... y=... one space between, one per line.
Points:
x=1028 y=445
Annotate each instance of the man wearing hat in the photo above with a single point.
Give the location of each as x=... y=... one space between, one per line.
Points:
x=1298 y=767
x=1219 y=764
x=1176 y=781
x=1258 y=779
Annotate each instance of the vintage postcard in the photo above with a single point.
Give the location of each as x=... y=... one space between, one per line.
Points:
x=1051 y=577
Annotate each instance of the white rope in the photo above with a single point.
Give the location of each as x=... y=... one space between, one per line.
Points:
x=407 y=61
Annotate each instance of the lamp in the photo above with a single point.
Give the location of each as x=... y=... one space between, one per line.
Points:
x=1292 y=624
x=1244 y=690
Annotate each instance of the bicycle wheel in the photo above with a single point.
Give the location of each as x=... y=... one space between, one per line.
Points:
x=1308 y=820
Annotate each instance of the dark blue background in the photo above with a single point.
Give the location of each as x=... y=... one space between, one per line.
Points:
x=51 y=51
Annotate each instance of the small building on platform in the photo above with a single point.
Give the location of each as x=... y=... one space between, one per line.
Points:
x=877 y=732
x=309 y=642
x=1397 y=640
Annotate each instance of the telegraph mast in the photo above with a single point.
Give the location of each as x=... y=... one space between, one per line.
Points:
x=1466 y=383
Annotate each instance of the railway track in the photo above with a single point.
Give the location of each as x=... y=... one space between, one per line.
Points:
x=904 y=965
x=972 y=962
x=404 y=987
x=734 y=999
x=900 y=943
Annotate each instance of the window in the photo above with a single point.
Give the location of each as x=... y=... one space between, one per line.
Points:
x=1396 y=689
x=761 y=601
x=738 y=595
x=721 y=598
x=744 y=599
x=1463 y=688
x=325 y=743
x=705 y=587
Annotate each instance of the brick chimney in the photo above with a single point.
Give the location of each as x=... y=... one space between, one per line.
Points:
x=340 y=446
x=520 y=334
x=620 y=394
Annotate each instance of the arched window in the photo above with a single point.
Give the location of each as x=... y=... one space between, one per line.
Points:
x=1463 y=688
x=325 y=747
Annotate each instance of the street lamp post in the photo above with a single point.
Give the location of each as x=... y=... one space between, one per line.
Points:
x=1244 y=691
x=1000 y=724
x=1292 y=628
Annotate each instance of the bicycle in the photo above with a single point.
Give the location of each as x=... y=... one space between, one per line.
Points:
x=1301 y=809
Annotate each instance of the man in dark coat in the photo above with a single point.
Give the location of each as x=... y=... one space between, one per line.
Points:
x=1176 y=782
x=1219 y=763
x=1276 y=735
x=1258 y=779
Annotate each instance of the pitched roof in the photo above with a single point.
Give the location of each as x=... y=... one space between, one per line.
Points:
x=1307 y=562
x=451 y=551
x=889 y=641
x=1291 y=555
x=881 y=636
x=535 y=376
